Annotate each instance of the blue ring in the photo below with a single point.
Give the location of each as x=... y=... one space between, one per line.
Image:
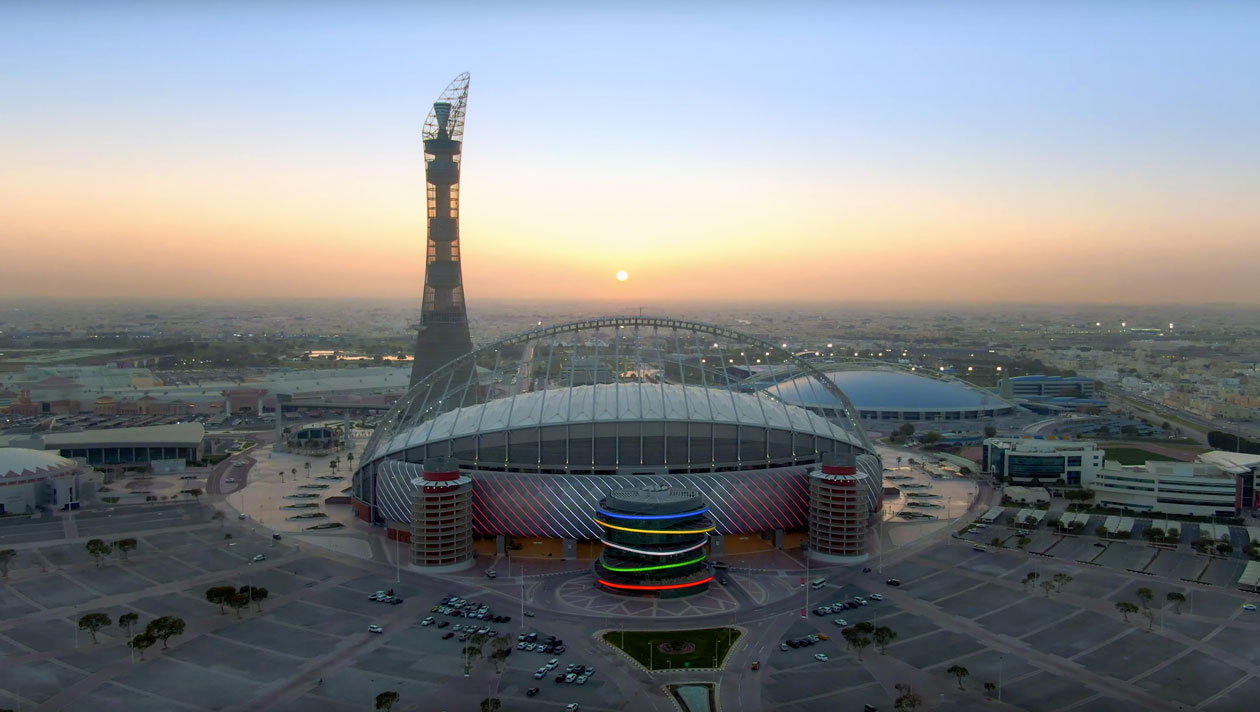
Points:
x=653 y=516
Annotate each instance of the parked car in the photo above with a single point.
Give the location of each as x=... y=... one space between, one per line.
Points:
x=877 y=596
x=491 y=574
x=822 y=657
x=447 y=635
x=375 y=629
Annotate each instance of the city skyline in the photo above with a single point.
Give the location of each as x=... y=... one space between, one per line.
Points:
x=1034 y=155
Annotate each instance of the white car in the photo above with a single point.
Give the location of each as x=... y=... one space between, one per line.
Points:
x=877 y=596
x=573 y=707
x=581 y=679
x=375 y=629
x=840 y=622
x=427 y=621
x=230 y=480
x=1249 y=606
x=259 y=557
x=821 y=657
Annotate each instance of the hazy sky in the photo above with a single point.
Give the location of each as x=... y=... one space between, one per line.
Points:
x=938 y=151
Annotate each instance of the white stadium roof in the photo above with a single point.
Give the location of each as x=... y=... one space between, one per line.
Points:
x=619 y=402
x=19 y=462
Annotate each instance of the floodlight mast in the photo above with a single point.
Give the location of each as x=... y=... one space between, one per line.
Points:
x=443 y=334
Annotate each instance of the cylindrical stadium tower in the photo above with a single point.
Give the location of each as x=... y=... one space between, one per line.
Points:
x=441 y=516
x=837 y=511
x=654 y=539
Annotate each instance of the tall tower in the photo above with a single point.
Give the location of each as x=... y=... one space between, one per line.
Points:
x=443 y=333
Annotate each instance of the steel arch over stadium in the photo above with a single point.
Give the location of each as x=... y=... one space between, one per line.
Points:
x=547 y=422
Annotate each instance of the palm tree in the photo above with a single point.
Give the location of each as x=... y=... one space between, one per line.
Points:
x=1177 y=599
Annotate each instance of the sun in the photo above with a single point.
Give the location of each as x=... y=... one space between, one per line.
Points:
x=622 y=276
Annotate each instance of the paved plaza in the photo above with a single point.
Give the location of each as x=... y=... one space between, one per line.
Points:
x=307 y=647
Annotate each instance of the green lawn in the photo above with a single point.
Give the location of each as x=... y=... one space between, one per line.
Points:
x=712 y=645
x=1135 y=456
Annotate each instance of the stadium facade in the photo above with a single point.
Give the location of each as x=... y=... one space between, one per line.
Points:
x=547 y=423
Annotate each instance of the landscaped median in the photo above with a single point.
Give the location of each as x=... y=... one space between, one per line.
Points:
x=659 y=650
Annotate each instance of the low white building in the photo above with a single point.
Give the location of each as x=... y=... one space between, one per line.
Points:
x=1195 y=488
x=34 y=478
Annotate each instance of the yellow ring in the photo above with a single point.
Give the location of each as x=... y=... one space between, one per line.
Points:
x=656 y=531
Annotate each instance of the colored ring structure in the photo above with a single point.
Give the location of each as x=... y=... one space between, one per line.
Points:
x=656 y=588
x=655 y=568
x=656 y=531
x=696 y=513
x=653 y=553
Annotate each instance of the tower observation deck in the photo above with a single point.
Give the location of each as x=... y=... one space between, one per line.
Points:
x=443 y=334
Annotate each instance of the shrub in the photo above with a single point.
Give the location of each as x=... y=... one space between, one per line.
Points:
x=109 y=500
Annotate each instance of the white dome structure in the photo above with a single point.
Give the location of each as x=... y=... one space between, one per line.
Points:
x=37 y=478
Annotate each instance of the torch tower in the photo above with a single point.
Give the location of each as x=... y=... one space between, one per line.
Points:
x=443 y=329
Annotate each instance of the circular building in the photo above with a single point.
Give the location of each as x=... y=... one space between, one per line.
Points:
x=654 y=540
x=894 y=395
x=37 y=478
x=548 y=423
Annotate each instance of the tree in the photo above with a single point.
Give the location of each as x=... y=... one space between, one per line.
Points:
x=1146 y=595
x=959 y=672
x=350 y=461
x=195 y=493
x=1224 y=547
x=1100 y=531
x=256 y=594
x=908 y=700
x=125 y=545
x=1023 y=542
x=1061 y=580
x=884 y=635
x=220 y=596
x=239 y=601
x=141 y=642
x=164 y=628
x=861 y=643
x=1125 y=609
x=219 y=516
x=1153 y=533
x=127 y=621
x=501 y=645
x=1177 y=599
x=931 y=437
x=990 y=431
x=98 y=549
x=386 y=700
x=93 y=622
x=490 y=704
x=1047 y=586
x=1030 y=578
x=990 y=688
x=6 y=557
x=1150 y=618
x=1174 y=533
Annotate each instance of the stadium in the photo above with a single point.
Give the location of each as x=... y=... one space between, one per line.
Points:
x=548 y=423
x=894 y=395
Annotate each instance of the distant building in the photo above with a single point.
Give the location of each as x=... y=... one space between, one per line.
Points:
x=1194 y=488
x=1063 y=391
x=1039 y=463
x=31 y=479
x=901 y=396
x=122 y=448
